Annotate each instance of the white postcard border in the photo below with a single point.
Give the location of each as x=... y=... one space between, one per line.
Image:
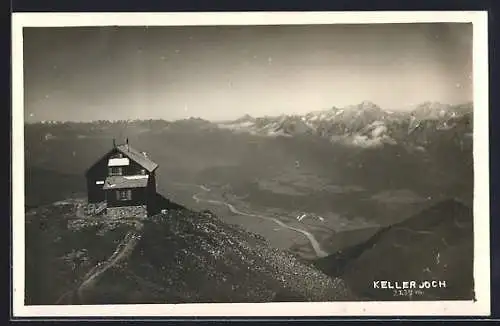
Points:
x=481 y=307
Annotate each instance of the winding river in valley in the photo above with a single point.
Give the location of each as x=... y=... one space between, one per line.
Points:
x=310 y=237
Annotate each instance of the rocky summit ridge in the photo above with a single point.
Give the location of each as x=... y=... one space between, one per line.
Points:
x=179 y=256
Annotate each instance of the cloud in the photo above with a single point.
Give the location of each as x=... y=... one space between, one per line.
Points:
x=401 y=196
x=363 y=141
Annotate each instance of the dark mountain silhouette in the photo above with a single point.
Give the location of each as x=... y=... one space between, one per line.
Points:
x=179 y=256
x=43 y=186
x=436 y=244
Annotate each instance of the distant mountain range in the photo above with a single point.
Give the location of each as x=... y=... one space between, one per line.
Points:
x=365 y=124
x=427 y=149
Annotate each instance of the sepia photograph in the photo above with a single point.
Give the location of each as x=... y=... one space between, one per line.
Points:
x=235 y=159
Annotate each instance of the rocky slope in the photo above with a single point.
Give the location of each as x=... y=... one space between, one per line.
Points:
x=177 y=257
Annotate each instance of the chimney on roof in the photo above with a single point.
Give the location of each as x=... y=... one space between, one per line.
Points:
x=127 y=144
x=114 y=143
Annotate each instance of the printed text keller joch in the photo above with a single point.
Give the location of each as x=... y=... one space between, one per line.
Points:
x=408 y=284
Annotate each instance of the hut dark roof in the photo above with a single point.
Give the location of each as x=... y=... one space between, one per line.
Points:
x=137 y=157
x=133 y=154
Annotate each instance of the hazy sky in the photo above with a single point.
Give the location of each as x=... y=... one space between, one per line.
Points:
x=224 y=72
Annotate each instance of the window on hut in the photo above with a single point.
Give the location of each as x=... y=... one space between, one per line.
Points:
x=143 y=172
x=124 y=194
x=115 y=170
